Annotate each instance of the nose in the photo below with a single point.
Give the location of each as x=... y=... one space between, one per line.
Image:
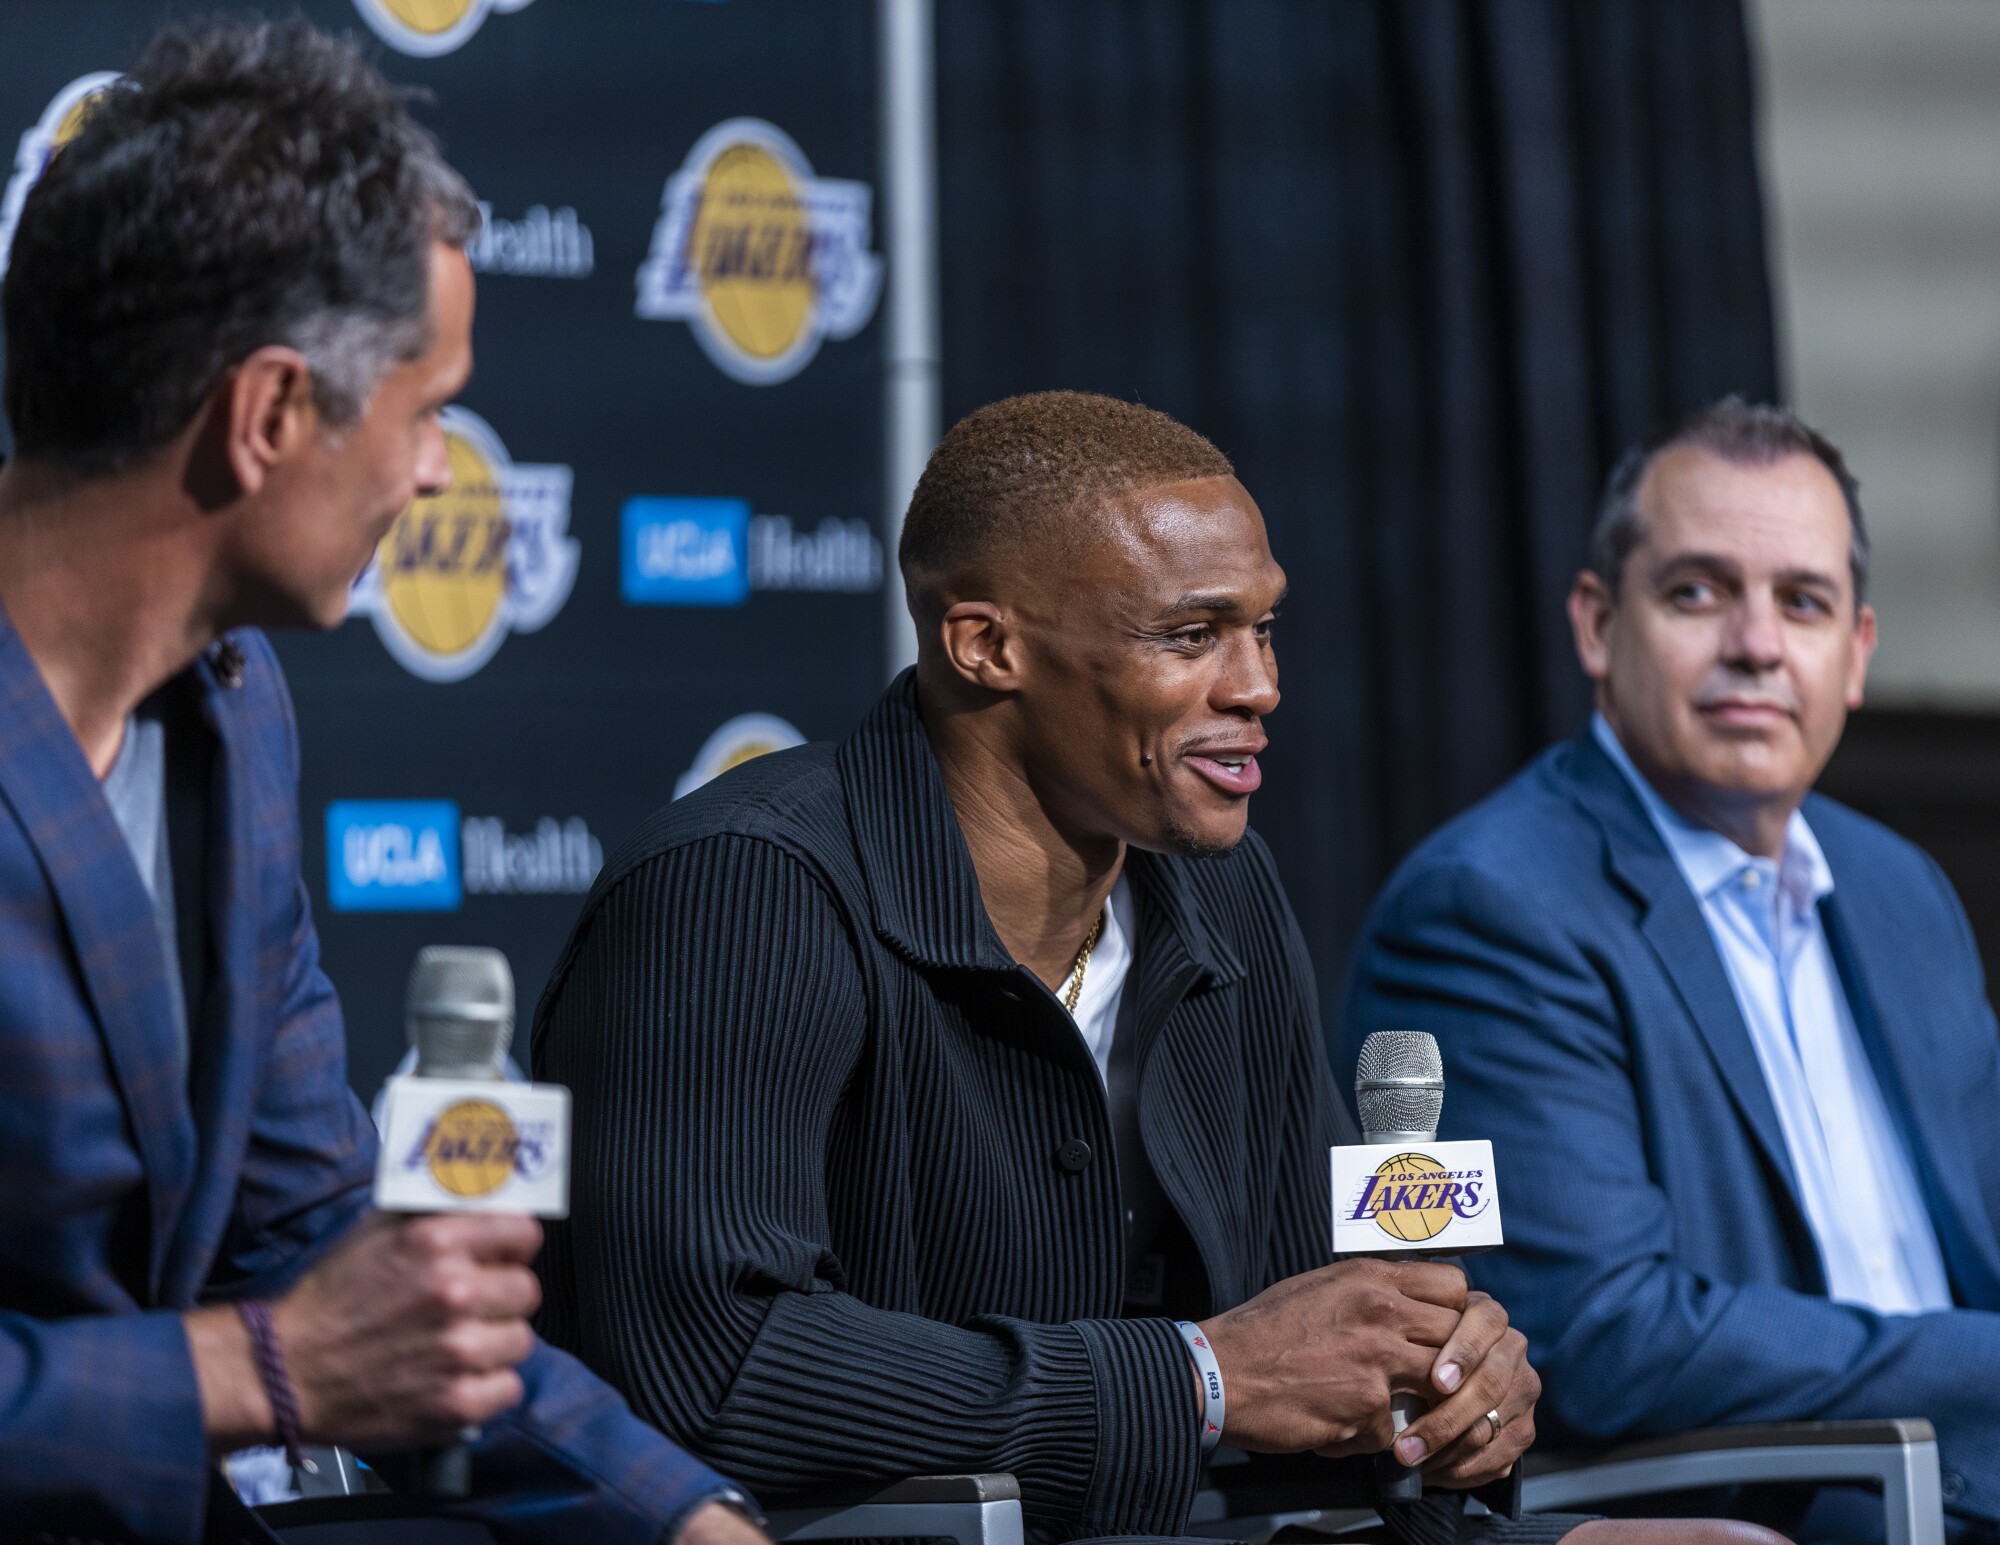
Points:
x=1755 y=640
x=1248 y=681
x=433 y=461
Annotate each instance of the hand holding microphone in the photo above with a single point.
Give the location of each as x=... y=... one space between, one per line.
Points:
x=408 y=1334
x=1315 y=1363
x=1411 y=1192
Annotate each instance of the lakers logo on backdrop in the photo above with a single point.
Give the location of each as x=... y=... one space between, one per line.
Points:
x=741 y=739
x=54 y=129
x=429 y=27
x=462 y=569
x=760 y=257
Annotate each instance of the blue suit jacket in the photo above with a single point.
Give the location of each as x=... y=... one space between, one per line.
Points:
x=1657 y=1255
x=129 y=1193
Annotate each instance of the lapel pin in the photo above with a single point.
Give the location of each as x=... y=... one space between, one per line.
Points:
x=226 y=660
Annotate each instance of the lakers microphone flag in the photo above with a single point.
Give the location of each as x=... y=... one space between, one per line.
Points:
x=457 y=1135
x=1400 y=1189
x=1436 y=1197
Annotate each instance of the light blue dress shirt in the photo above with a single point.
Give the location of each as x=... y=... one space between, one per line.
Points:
x=1861 y=1197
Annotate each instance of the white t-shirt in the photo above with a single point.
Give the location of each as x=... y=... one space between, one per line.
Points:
x=1104 y=979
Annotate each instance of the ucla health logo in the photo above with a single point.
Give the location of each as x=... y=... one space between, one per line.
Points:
x=460 y=570
x=427 y=28
x=714 y=552
x=419 y=855
x=392 y=855
x=760 y=257
x=684 y=552
x=56 y=127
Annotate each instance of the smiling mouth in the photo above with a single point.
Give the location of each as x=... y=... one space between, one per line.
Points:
x=1739 y=711
x=1233 y=772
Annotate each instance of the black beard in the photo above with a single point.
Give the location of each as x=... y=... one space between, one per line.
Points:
x=1184 y=843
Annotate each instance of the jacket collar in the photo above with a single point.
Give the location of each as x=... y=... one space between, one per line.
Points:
x=922 y=889
x=60 y=805
x=1637 y=859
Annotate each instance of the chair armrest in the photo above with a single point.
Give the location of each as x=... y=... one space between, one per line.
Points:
x=971 y=1509
x=1899 y=1456
x=1760 y=1435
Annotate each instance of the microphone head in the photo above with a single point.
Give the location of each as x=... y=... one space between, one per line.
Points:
x=461 y=1012
x=1399 y=1086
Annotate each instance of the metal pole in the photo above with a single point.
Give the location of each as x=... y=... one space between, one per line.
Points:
x=907 y=41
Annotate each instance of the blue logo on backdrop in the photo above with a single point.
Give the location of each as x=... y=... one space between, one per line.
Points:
x=685 y=552
x=392 y=855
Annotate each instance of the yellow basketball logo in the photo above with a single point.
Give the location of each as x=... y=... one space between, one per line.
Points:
x=427 y=28
x=444 y=562
x=60 y=123
x=461 y=569
x=752 y=250
x=1412 y=1197
x=759 y=256
x=471 y=1148
x=741 y=739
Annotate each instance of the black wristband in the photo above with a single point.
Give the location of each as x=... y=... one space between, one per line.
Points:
x=277 y=1383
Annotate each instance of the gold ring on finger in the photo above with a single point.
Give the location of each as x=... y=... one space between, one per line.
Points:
x=1493 y=1417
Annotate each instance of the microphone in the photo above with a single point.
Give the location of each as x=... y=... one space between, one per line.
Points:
x=1399 y=1087
x=1399 y=1093
x=460 y=1012
x=458 y=1135
x=460 y=1017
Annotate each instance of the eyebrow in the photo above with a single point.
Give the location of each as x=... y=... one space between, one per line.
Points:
x=1213 y=601
x=1715 y=563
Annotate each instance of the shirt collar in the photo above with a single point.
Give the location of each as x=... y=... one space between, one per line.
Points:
x=922 y=887
x=1707 y=859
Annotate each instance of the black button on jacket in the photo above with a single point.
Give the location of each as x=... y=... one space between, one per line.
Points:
x=834 y=1210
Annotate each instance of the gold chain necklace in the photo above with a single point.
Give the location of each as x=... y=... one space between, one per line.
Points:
x=1082 y=965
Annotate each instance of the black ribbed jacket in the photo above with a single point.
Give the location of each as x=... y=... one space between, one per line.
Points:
x=819 y=1231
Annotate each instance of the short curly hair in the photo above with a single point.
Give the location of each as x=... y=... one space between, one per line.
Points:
x=244 y=185
x=1015 y=476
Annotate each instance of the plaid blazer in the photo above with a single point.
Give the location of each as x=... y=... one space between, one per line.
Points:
x=131 y=1190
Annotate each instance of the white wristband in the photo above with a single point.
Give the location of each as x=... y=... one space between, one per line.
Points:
x=1209 y=1372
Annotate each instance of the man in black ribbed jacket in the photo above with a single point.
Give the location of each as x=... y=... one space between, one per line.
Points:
x=925 y=1082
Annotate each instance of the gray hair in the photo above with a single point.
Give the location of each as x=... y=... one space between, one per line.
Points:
x=244 y=185
x=1746 y=433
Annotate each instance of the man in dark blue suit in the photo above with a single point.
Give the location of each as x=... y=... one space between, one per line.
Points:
x=237 y=302
x=1730 y=1039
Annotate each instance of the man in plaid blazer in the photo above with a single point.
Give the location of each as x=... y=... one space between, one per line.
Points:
x=237 y=302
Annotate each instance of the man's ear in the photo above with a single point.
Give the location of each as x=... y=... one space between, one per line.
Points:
x=267 y=413
x=1864 y=651
x=982 y=644
x=1591 y=611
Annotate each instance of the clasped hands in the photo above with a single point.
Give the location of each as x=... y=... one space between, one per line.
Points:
x=1311 y=1362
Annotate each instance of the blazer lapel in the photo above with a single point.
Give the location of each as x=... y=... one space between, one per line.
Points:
x=1908 y=1069
x=1673 y=925
x=230 y=1030
x=61 y=807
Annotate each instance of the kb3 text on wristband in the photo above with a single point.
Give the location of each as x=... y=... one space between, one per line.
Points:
x=1210 y=1373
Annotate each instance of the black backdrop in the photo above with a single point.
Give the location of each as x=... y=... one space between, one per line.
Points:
x=585 y=105
x=1418 y=265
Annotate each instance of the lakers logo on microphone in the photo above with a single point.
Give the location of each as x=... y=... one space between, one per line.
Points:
x=57 y=126
x=460 y=570
x=472 y=1148
x=1412 y=1197
x=759 y=256
x=427 y=28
